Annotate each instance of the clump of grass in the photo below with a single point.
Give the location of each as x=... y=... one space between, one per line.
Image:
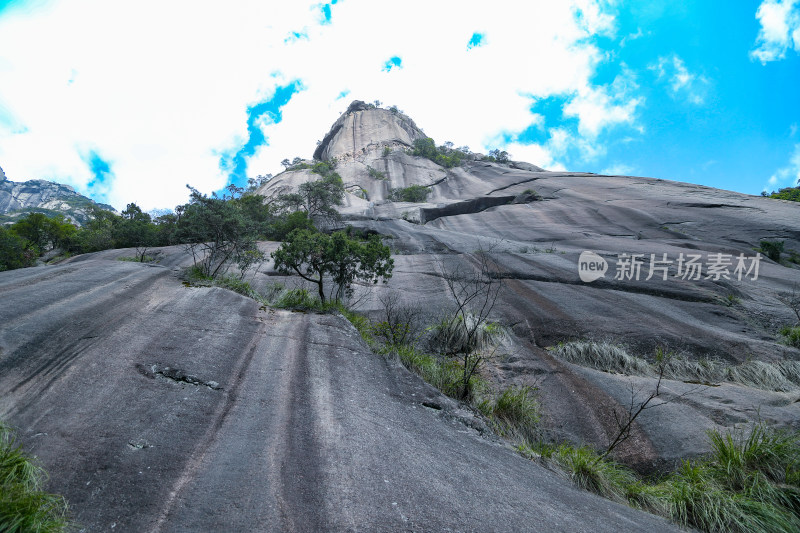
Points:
x=588 y=470
x=298 y=299
x=602 y=356
x=748 y=483
x=701 y=370
x=781 y=376
x=516 y=413
x=731 y=299
x=23 y=505
x=791 y=336
x=195 y=276
x=761 y=375
x=445 y=375
x=237 y=285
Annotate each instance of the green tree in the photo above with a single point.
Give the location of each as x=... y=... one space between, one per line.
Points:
x=220 y=231
x=97 y=234
x=15 y=251
x=317 y=198
x=315 y=256
x=501 y=156
x=134 y=229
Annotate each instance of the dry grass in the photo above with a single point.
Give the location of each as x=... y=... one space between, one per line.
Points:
x=783 y=376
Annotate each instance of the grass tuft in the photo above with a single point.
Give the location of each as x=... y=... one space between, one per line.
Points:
x=783 y=376
x=602 y=356
x=23 y=505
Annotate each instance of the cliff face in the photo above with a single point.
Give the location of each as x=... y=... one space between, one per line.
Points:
x=17 y=199
x=537 y=224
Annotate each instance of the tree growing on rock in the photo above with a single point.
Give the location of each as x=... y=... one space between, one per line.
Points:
x=221 y=231
x=341 y=259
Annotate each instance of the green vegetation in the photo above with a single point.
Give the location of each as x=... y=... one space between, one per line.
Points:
x=497 y=155
x=731 y=299
x=791 y=335
x=749 y=482
x=788 y=193
x=24 y=506
x=220 y=231
x=313 y=256
x=772 y=249
x=377 y=174
x=444 y=155
x=414 y=193
x=316 y=198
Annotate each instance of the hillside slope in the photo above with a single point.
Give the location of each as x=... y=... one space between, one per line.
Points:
x=160 y=407
x=19 y=198
x=536 y=244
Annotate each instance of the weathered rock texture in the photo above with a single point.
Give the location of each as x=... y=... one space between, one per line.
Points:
x=159 y=407
x=17 y=199
x=536 y=245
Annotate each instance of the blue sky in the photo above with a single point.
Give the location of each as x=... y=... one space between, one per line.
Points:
x=698 y=91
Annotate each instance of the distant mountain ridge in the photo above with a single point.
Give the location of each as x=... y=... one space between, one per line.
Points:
x=20 y=198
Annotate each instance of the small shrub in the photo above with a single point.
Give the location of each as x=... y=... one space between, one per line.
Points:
x=772 y=249
x=791 y=336
x=386 y=151
x=413 y=193
x=375 y=173
x=731 y=299
x=450 y=335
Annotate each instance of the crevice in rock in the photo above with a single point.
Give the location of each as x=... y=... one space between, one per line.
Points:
x=513 y=184
x=467 y=207
x=177 y=375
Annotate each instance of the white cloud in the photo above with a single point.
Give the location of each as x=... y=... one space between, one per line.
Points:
x=780 y=29
x=161 y=90
x=787 y=176
x=618 y=169
x=682 y=83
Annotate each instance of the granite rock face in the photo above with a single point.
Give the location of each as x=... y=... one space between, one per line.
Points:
x=162 y=407
x=17 y=199
x=536 y=224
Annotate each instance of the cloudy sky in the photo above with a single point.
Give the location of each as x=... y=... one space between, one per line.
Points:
x=130 y=101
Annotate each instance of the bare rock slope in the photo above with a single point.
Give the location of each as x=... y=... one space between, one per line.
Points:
x=160 y=407
x=537 y=224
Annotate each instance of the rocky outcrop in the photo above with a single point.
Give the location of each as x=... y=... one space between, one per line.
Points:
x=17 y=199
x=537 y=224
x=364 y=129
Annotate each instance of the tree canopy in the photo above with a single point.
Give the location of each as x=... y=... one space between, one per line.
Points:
x=342 y=259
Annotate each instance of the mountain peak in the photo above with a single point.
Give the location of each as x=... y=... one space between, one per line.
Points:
x=365 y=128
